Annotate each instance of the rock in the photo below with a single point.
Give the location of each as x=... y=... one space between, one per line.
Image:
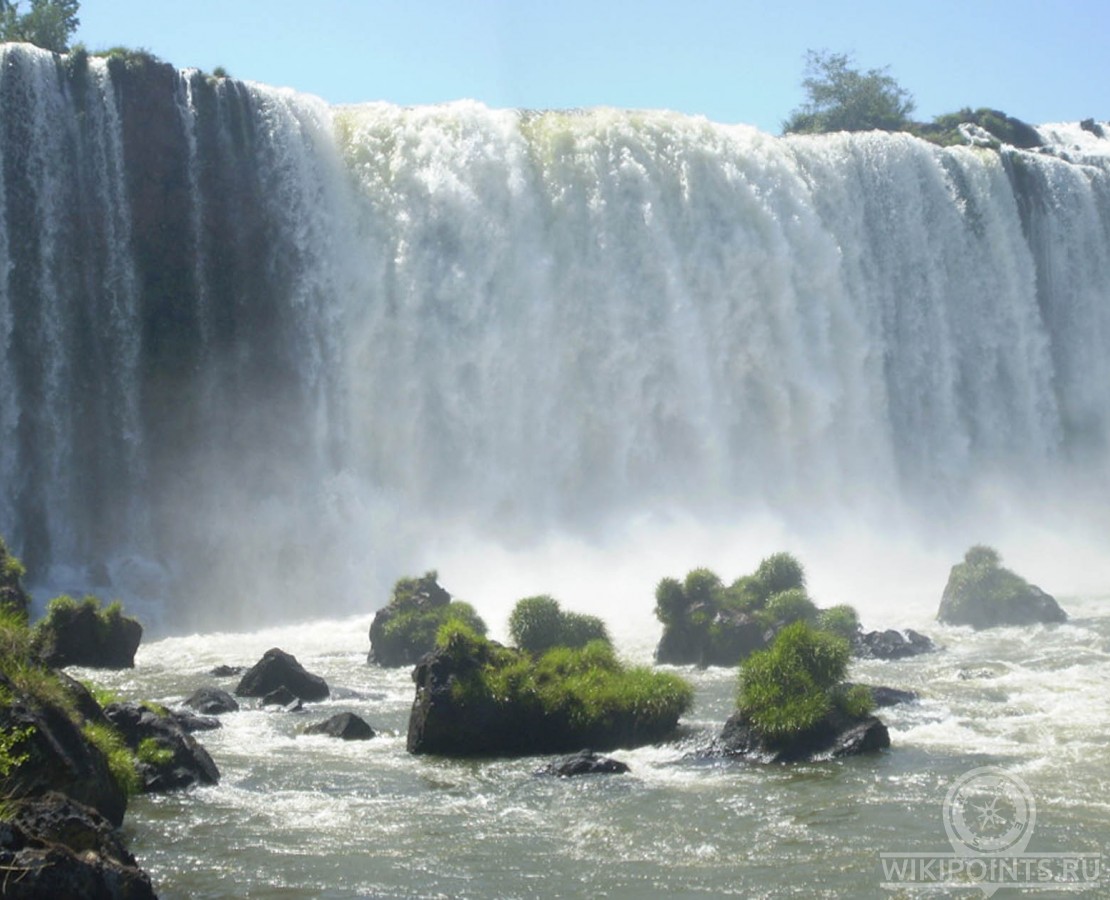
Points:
x=983 y=594
x=283 y=697
x=887 y=696
x=891 y=644
x=585 y=762
x=837 y=735
x=54 y=847
x=346 y=726
x=227 y=671
x=60 y=757
x=186 y=721
x=83 y=634
x=186 y=762
x=212 y=701
x=280 y=669
x=461 y=723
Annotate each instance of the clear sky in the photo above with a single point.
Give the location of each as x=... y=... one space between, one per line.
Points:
x=739 y=61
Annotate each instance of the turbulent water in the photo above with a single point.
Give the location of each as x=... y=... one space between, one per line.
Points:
x=259 y=357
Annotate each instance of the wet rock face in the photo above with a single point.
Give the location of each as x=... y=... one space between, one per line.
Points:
x=585 y=762
x=346 y=726
x=891 y=644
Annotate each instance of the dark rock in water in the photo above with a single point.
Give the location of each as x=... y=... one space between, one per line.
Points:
x=891 y=644
x=282 y=697
x=725 y=641
x=180 y=761
x=227 y=671
x=280 y=669
x=84 y=635
x=887 y=696
x=585 y=762
x=54 y=847
x=837 y=735
x=1093 y=127
x=346 y=726
x=212 y=701
x=59 y=756
x=190 y=723
x=983 y=594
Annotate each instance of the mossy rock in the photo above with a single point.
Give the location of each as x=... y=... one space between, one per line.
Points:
x=86 y=634
x=477 y=698
x=983 y=594
x=405 y=629
x=12 y=594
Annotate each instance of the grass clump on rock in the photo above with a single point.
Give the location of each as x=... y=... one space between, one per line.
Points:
x=85 y=633
x=537 y=624
x=405 y=629
x=793 y=703
x=476 y=697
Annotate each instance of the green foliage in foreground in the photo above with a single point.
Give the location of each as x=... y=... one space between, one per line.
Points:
x=12 y=572
x=789 y=688
x=153 y=752
x=537 y=624
x=582 y=689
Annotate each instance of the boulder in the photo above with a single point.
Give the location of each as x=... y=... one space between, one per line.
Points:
x=186 y=721
x=346 y=726
x=891 y=644
x=584 y=762
x=983 y=594
x=84 y=635
x=887 y=696
x=227 y=671
x=181 y=762
x=280 y=669
x=54 y=847
x=837 y=735
x=212 y=701
x=283 y=697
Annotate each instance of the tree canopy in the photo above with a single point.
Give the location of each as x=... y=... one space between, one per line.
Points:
x=842 y=98
x=46 y=23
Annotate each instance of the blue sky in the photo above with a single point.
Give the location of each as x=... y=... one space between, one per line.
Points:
x=735 y=61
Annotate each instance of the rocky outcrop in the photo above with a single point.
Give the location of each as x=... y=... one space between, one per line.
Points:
x=212 y=701
x=585 y=762
x=346 y=726
x=52 y=846
x=883 y=696
x=891 y=644
x=837 y=735
x=59 y=756
x=279 y=669
x=983 y=594
x=83 y=634
x=169 y=758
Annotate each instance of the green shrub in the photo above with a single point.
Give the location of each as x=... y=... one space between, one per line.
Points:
x=791 y=605
x=841 y=620
x=537 y=624
x=582 y=689
x=789 y=688
x=10 y=738
x=12 y=573
x=671 y=605
x=405 y=629
x=780 y=572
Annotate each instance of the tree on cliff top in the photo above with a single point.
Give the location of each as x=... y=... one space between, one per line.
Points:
x=842 y=98
x=47 y=23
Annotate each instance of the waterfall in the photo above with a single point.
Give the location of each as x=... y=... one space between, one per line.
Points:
x=255 y=350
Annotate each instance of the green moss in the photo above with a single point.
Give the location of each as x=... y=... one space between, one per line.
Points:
x=153 y=752
x=789 y=688
x=10 y=738
x=537 y=624
x=121 y=761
